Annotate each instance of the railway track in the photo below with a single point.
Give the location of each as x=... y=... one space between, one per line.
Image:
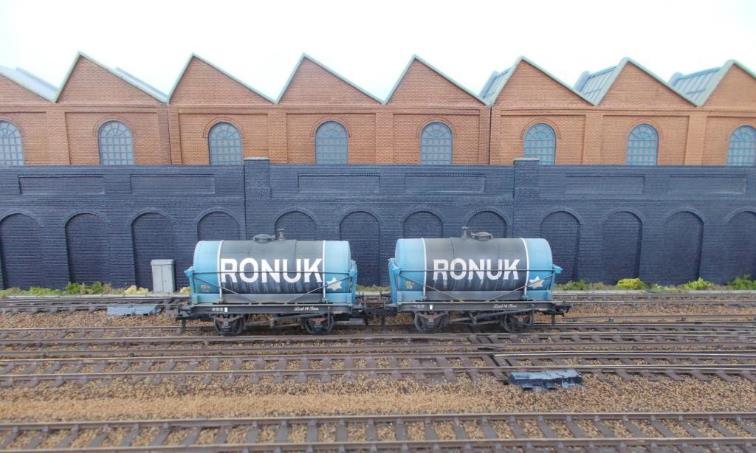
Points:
x=661 y=318
x=426 y=367
x=655 y=295
x=153 y=354
x=671 y=431
x=58 y=304
x=89 y=347
x=581 y=325
x=702 y=365
x=708 y=324
x=734 y=299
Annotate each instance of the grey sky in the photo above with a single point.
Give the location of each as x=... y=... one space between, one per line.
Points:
x=371 y=42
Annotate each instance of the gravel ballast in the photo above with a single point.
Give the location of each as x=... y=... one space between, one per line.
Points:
x=123 y=400
x=197 y=397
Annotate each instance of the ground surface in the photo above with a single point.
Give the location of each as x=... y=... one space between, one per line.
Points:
x=123 y=400
x=197 y=398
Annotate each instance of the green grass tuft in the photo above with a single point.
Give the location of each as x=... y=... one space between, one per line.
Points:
x=698 y=285
x=744 y=282
x=631 y=284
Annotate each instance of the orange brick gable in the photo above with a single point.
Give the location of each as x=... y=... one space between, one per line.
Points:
x=311 y=83
x=422 y=84
x=635 y=88
x=88 y=82
x=203 y=83
x=13 y=93
x=529 y=86
x=736 y=89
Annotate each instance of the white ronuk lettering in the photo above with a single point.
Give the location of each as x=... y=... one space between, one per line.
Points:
x=457 y=274
x=440 y=268
x=266 y=270
x=248 y=276
x=476 y=268
x=296 y=277
x=312 y=268
x=489 y=272
x=510 y=268
x=228 y=269
x=460 y=269
x=248 y=270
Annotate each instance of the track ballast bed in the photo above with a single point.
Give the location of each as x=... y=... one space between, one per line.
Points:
x=673 y=431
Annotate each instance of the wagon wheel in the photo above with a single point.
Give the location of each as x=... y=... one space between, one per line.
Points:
x=229 y=326
x=427 y=322
x=516 y=322
x=318 y=325
x=472 y=325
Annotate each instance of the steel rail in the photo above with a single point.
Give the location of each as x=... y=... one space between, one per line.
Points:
x=490 y=339
x=57 y=304
x=664 y=295
x=129 y=331
x=622 y=319
x=555 y=431
x=552 y=355
x=224 y=346
x=634 y=300
x=241 y=350
x=640 y=327
x=224 y=353
x=431 y=366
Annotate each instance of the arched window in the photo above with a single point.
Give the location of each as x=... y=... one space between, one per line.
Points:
x=642 y=145
x=742 y=149
x=225 y=145
x=116 y=144
x=11 y=149
x=540 y=142
x=436 y=144
x=331 y=143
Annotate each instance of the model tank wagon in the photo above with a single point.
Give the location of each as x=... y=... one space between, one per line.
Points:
x=312 y=282
x=475 y=279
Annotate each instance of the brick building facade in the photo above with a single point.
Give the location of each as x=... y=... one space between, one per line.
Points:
x=623 y=114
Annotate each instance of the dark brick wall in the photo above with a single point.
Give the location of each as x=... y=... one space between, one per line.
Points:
x=672 y=224
x=663 y=224
x=59 y=224
x=376 y=204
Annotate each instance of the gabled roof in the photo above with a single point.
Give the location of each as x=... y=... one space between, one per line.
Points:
x=493 y=85
x=123 y=75
x=498 y=80
x=698 y=86
x=30 y=82
x=415 y=58
x=327 y=69
x=594 y=86
x=217 y=68
x=141 y=84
